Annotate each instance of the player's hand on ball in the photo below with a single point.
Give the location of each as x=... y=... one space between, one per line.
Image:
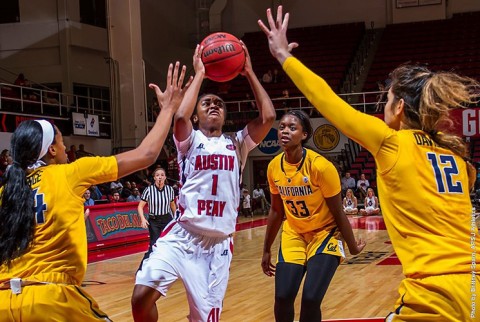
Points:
x=198 y=65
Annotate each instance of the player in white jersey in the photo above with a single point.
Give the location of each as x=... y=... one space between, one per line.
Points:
x=198 y=247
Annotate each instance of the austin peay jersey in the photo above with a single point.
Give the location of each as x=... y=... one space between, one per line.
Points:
x=210 y=172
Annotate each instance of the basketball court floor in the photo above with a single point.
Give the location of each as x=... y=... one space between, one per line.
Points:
x=364 y=287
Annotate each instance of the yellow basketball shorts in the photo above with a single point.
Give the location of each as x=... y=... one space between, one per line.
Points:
x=49 y=302
x=451 y=297
x=298 y=248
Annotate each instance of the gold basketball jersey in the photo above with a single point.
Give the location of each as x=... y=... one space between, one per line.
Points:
x=303 y=188
x=60 y=243
x=423 y=188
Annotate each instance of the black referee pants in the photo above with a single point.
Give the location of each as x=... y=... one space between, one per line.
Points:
x=155 y=228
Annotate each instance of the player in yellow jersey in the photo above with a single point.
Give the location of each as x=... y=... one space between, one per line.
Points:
x=42 y=229
x=305 y=187
x=423 y=179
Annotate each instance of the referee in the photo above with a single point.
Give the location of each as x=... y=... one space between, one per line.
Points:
x=161 y=205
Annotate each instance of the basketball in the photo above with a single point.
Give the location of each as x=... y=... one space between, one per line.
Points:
x=223 y=56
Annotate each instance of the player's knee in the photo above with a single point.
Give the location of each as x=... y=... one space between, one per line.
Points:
x=143 y=298
x=284 y=298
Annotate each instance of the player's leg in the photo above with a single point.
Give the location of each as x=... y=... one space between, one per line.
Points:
x=144 y=306
x=288 y=277
x=320 y=271
x=157 y=274
x=206 y=280
x=292 y=258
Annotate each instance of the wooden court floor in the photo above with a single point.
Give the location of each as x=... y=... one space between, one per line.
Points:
x=360 y=289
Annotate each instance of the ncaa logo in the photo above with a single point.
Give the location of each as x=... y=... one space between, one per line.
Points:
x=270 y=145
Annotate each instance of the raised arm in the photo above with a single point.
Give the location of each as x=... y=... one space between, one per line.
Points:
x=348 y=120
x=182 y=125
x=258 y=128
x=149 y=149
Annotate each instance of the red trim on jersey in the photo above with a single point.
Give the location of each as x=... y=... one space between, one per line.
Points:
x=168 y=228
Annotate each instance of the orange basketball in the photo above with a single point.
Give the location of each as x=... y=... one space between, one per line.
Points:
x=223 y=56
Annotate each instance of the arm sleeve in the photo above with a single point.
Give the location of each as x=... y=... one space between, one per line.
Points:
x=354 y=124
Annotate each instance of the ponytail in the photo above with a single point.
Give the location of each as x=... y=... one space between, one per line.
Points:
x=17 y=214
x=429 y=97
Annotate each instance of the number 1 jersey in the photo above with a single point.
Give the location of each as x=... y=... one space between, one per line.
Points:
x=210 y=174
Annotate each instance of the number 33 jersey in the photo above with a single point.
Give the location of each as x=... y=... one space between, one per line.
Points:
x=210 y=175
x=303 y=188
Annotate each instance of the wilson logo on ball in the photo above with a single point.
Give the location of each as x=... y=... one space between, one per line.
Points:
x=223 y=56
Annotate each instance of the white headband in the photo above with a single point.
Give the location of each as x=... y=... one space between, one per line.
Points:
x=47 y=137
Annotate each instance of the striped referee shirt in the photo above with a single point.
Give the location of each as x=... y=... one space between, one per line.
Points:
x=158 y=200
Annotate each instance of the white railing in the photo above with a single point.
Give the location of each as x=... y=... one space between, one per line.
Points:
x=367 y=102
x=21 y=99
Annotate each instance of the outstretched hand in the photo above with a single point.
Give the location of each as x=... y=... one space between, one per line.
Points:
x=277 y=34
x=174 y=90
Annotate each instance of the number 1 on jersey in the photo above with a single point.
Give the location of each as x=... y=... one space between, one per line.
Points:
x=214 y=184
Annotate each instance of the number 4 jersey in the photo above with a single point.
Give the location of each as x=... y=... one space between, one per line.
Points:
x=303 y=188
x=210 y=173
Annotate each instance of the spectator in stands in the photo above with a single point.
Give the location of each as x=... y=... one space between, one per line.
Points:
x=371 y=204
x=116 y=186
x=22 y=81
x=72 y=153
x=267 y=77
x=259 y=199
x=135 y=196
x=95 y=192
x=88 y=200
x=348 y=182
x=82 y=153
x=116 y=197
x=127 y=190
x=423 y=173
x=4 y=160
x=9 y=162
x=246 y=204
x=362 y=186
x=350 y=203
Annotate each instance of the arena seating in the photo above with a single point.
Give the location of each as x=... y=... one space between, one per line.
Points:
x=451 y=44
x=327 y=50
